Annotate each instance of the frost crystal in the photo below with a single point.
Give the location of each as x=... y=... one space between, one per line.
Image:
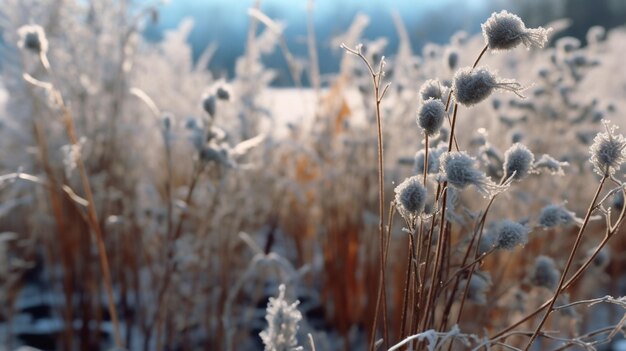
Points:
x=504 y=31
x=518 y=162
x=411 y=196
x=282 y=319
x=607 y=151
x=510 y=234
x=430 y=116
x=472 y=86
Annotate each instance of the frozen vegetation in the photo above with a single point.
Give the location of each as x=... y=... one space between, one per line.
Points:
x=466 y=197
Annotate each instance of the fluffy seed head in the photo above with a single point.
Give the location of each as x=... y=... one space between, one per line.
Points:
x=553 y=215
x=452 y=58
x=518 y=162
x=432 y=89
x=457 y=168
x=607 y=151
x=479 y=284
x=504 y=31
x=545 y=274
x=433 y=160
x=282 y=319
x=472 y=86
x=510 y=234
x=550 y=164
x=430 y=116
x=33 y=38
x=486 y=243
x=411 y=196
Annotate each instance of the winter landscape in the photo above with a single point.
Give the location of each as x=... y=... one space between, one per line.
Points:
x=367 y=186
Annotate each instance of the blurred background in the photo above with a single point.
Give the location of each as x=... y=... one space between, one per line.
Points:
x=225 y=23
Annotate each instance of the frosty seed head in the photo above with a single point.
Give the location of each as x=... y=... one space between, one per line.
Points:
x=472 y=86
x=552 y=216
x=411 y=196
x=486 y=243
x=607 y=151
x=518 y=162
x=209 y=103
x=544 y=273
x=457 y=168
x=510 y=234
x=452 y=58
x=552 y=165
x=433 y=160
x=282 y=323
x=479 y=284
x=432 y=89
x=517 y=136
x=33 y=38
x=430 y=116
x=504 y=31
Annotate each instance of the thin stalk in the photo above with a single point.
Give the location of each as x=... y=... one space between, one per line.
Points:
x=170 y=266
x=407 y=288
x=378 y=95
x=92 y=215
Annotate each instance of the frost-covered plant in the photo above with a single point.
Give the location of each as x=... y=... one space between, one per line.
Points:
x=544 y=273
x=608 y=151
x=518 y=162
x=433 y=160
x=550 y=164
x=432 y=89
x=411 y=196
x=479 y=285
x=504 y=31
x=473 y=85
x=555 y=215
x=510 y=234
x=459 y=170
x=430 y=116
x=282 y=319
